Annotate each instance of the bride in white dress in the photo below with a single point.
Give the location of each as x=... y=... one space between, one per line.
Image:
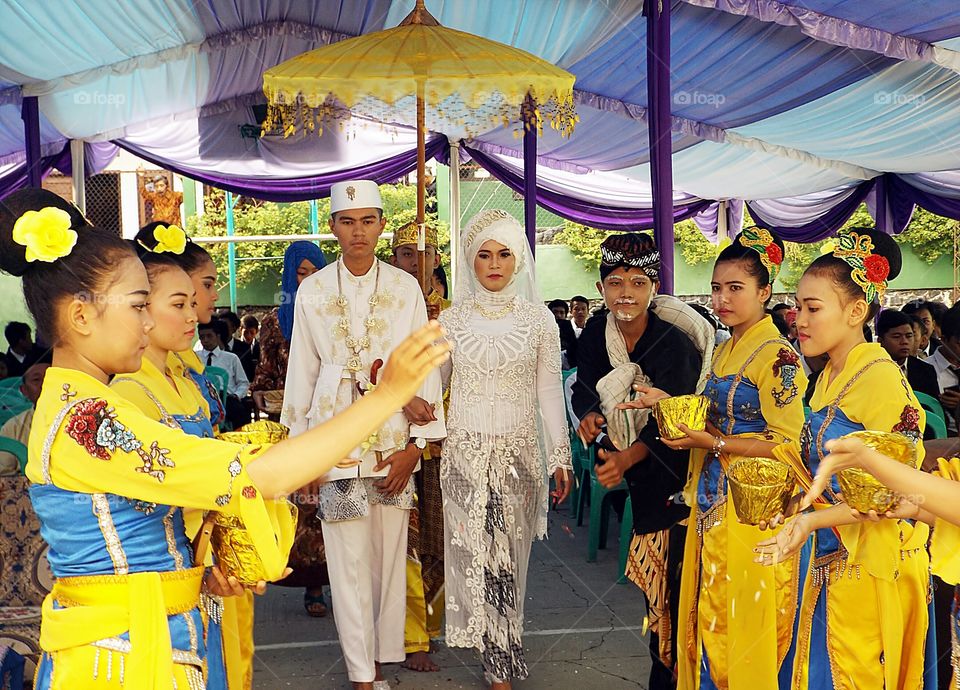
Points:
x=507 y=435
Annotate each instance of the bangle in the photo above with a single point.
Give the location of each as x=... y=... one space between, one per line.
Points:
x=718 y=444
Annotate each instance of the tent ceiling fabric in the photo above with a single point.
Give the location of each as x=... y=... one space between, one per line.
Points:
x=771 y=98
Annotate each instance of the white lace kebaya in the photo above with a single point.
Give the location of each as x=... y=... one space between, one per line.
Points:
x=506 y=434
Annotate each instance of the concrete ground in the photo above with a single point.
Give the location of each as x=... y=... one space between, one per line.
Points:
x=583 y=630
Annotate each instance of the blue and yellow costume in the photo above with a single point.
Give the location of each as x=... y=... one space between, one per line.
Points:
x=864 y=608
x=945 y=563
x=736 y=616
x=108 y=486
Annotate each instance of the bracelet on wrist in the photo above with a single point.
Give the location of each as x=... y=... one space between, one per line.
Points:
x=718 y=445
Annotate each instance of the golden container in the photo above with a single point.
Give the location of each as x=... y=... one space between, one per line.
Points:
x=860 y=489
x=760 y=487
x=257 y=433
x=680 y=409
x=233 y=548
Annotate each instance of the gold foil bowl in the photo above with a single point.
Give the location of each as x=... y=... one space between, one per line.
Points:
x=257 y=433
x=680 y=409
x=860 y=489
x=760 y=487
x=235 y=552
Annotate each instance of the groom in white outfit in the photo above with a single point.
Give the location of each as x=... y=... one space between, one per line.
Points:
x=349 y=317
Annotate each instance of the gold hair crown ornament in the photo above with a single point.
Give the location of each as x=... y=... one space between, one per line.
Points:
x=761 y=241
x=170 y=238
x=409 y=234
x=868 y=270
x=46 y=234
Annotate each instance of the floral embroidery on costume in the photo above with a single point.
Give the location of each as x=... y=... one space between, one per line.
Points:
x=909 y=424
x=786 y=368
x=94 y=426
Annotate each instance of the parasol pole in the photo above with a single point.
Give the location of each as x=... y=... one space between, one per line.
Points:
x=421 y=189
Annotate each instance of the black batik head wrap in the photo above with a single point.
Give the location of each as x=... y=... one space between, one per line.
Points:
x=633 y=250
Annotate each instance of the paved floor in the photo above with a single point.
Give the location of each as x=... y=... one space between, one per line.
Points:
x=582 y=631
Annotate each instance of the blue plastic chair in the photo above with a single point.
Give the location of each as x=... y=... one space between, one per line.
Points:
x=15 y=448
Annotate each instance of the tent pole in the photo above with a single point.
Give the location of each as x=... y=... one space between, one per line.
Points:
x=30 y=112
x=454 y=211
x=528 y=118
x=78 y=165
x=658 y=129
x=231 y=253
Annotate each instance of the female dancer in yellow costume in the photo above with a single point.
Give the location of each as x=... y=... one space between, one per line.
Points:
x=736 y=618
x=124 y=611
x=161 y=249
x=863 y=616
x=932 y=498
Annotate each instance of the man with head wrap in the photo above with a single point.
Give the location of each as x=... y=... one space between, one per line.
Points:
x=637 y=344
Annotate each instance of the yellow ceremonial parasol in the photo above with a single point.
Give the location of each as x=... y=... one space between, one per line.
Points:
x=453 y=81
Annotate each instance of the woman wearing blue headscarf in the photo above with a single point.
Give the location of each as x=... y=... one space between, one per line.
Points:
x=307 y=557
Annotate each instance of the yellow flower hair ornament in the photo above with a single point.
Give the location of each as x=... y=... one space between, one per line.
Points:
x=170 y=238
x=46 y=234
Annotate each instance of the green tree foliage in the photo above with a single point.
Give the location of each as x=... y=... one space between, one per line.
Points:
x=928 y=235
x=263 y=261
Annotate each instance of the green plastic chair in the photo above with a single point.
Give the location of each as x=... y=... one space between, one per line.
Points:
x=15 y=448
x=626 y=536
x=220 y=378
x=931 y=404
x=600 y=513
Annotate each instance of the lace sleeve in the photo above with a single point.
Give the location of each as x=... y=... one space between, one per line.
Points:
x=550 y=397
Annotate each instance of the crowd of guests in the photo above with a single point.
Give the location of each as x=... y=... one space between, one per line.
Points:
x=423 y=460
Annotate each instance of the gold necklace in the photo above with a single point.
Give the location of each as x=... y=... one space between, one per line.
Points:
x=356 y=345
x=492 y=315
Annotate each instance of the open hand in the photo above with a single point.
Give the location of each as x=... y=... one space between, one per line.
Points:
x=785 y=543
x=411 y=362
x=842 y=453
x=648 y=397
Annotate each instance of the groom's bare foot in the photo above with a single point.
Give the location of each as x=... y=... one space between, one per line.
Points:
x=420 y=661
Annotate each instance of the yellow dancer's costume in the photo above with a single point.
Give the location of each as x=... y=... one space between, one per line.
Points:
x=864 y=607
x=945 y=560
x=737 y=616
x=108 y=484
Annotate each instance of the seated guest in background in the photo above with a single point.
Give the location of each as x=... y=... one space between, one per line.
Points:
x=250 y=328
x=946 y=361
x=18 y=428
x=237 y=346
x=780 y=321
x=568 y=337
x=895 y=334
x=918 y=334
x=22 y=352
x=938 y=310
x=212 y=335
x=921 y=308
x=780 y=308
x=630 y=345
x=579 y=312
x=720 y=331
